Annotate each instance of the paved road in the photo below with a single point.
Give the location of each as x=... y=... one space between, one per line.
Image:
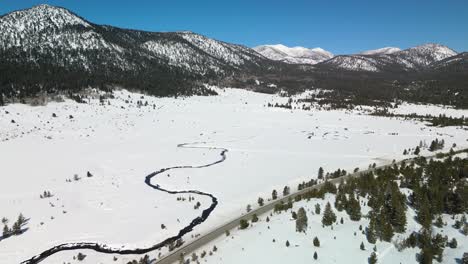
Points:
x=190 y=247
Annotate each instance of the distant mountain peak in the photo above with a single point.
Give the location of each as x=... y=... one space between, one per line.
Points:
x=381 y=51
x=392 y=59
x=40 y=17
x=294 y=55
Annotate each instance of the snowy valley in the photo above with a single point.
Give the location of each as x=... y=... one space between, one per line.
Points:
x=121 y=139
x=136 y=147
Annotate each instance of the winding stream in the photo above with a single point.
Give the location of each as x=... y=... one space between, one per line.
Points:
x=103 y=248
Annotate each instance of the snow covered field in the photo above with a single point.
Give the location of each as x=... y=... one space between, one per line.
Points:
x=338 y=245
x=121 y=143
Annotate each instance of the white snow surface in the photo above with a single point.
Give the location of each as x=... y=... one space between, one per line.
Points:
x=294 y=55
x=121 y=143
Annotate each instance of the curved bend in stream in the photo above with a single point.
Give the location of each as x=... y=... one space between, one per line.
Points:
x=103 y=248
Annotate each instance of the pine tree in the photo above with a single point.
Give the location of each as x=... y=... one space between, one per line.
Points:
x=353 y=209
x=316 y=242
x=425 y=241
x=21 y=220
x=329 y=216
x=453 y=243
x=417 y=151
x=340 y=201
x=320 y=173
x=370 y=233
x=386 y=229
x=260 y=201
x=465 y=229
x=373 y=258
x=294 y=215
x=362 y=247
x=243 y=224
x=254 y=218
x=6 y=231
x=424 y=215
x=438 y=244
x=301 y=221
x=315 y=255
x=439 y=222
x=287 y=243
x=396 y=209
x=425 y=256
x=274 y=195
x=286 y=191
x=16 y=230
x=317 y=209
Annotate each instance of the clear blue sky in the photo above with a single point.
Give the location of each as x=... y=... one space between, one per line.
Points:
x=339 y=26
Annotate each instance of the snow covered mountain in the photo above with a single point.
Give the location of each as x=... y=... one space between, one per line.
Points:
x=45 y=37
x=381 y=51
x=388 y=59
x=47 y=49
x=294 y=55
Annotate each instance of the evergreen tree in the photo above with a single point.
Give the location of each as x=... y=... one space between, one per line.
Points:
x=243 y=224
x=287 y=243
x=425 y=242
x=320 y=173
x=254 y=218
x=340 y=201
x=315 y=255
x=6 y=231
x=438 y=243
x=301 y=221
x=453 y=243
x=362 y=247
x=286 y=191
x=16 y=230
x=274 y=195
x=370 y=234
x=465 y=229
x=353 y=209
x=425 y=256
x=396 y=209
x=317 y=209
x=21 y=220
x=424 y=215
x=316 y=242
x=329 y=216
x=386 y=229
x=373 y=258
x=294 y=215
x=439 y=222
x=417 y=151
x=260 y=201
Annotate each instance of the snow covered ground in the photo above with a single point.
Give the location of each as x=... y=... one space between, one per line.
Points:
x=121 y=143
x=338 y=245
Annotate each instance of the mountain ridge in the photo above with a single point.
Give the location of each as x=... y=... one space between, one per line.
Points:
x=294 y=55
x=48 y=50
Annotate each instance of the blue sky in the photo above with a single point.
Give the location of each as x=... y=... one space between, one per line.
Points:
x=339 y=26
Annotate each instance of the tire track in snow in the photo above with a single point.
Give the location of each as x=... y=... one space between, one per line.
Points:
x=103 y=248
